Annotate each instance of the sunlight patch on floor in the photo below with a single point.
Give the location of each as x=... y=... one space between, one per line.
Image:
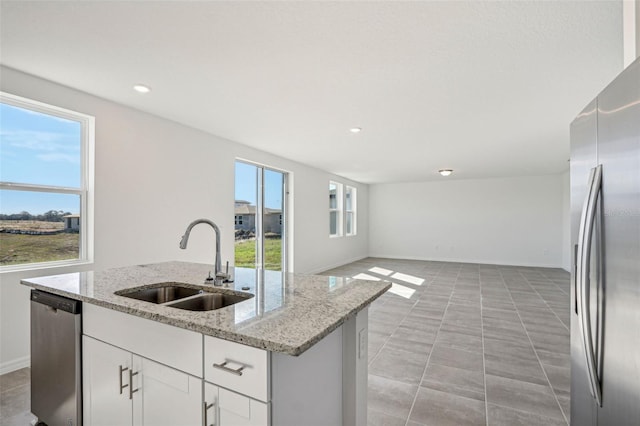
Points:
x=362 y=276
x=401 y=290
x=380 y=271
x=408 y=278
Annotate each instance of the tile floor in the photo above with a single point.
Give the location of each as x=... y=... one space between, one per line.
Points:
x=450 y=344
x=15 y=398
x=467 y=344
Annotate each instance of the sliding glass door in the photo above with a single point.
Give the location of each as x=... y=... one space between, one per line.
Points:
x=260 y=217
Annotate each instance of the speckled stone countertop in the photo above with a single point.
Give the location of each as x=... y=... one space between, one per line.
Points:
x=289 y=313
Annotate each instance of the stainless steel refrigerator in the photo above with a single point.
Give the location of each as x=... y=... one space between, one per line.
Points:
x=605 y=236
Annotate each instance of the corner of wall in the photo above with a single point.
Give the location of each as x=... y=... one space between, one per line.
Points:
x=15 y=364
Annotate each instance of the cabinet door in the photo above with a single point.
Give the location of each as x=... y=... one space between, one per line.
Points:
x=165 y=396
x=239 y=410
x=226 y=408
x=210 y=405
x=105 y=402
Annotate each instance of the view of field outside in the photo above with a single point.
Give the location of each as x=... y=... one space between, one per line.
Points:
x=246 y=254
x=39 y=223
x=42 y=150
x=17 y=249
x=246 y=195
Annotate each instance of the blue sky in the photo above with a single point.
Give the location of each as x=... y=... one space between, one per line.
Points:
x=38 y=149
x=46 y=150
x=246 y=185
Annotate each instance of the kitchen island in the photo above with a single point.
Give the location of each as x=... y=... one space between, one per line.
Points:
x=292 y=351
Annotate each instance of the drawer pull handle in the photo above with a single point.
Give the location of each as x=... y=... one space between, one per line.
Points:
x=223 y=366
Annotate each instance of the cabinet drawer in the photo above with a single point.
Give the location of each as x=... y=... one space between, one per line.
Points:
x=169 y=345
x=240 y=368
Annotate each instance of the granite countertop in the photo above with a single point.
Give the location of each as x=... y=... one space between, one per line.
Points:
x=289 y=313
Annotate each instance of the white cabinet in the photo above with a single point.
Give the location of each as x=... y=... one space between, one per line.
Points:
x=226 y=408
x=241 y=374
x=148 y=373
x=238 y=367
x=121 y=388
x=166 y=344
x=166 y=396
x=103 y=403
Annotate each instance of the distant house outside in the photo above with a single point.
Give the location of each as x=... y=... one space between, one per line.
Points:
x=72 y=222
x=245 y=218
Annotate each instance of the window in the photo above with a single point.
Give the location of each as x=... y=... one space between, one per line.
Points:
x=335 y=209
x=45 y=184
x=262 y=192
x=350 y=210
x=342 y=210
x=238 y=220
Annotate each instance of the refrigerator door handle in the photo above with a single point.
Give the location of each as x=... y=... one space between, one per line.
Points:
x=583 y=259
x=575 y=277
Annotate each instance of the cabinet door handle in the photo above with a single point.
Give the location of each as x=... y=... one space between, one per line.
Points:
x=223 y=366
x=122 y=370
x=205 y=408
x=131 y=390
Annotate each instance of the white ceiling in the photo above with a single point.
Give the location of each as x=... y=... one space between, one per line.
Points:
x=486 y=88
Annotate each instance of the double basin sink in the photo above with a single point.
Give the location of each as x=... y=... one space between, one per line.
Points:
x=180 y=296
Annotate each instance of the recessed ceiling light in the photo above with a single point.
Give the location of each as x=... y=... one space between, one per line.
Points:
x=141 y=88
x=445 y=172
x=355 y=129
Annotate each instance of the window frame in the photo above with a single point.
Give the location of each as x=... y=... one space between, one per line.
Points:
x=353 y=212
x=287 y=216
x=85 y=191
x=239 y=219
x=338 y=209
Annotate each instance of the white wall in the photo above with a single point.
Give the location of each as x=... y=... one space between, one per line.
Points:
x=508 y=221
x=152 y=178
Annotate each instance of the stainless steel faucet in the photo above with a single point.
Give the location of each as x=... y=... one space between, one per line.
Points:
x=220 y=276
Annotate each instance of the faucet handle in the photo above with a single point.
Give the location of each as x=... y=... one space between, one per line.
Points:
x=221 y=278
x=209 y=278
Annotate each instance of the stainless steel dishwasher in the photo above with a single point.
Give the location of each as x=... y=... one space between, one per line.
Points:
x=56 y=375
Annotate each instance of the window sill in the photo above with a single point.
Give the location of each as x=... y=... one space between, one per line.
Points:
x=42 y=266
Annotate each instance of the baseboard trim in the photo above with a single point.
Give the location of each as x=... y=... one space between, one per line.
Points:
x=474 y=261
x=15 y=364
x=335 y=265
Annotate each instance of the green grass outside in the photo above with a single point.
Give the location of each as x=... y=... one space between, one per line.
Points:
x=246 y=254
x=16 y=249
